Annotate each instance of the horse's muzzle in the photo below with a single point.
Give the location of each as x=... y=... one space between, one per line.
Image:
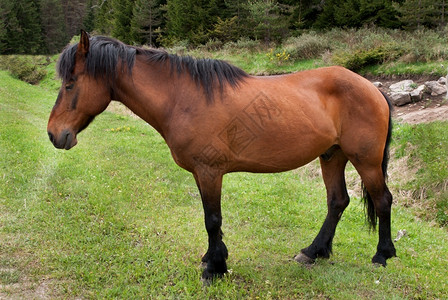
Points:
x=66 y=140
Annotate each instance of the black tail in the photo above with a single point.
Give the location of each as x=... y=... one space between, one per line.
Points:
x=368 y=203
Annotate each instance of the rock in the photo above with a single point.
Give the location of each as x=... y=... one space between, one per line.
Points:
x=417 y=94
x=377 y=84
x=442 y=80
x=400 y=98
x=435 y=88
x=402 y=86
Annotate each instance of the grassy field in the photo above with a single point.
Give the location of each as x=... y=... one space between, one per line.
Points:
x=116 y=218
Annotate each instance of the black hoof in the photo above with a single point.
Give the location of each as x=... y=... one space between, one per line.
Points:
x=212 y=271
x=208 y=277
x=379 y=260
x=383 y=255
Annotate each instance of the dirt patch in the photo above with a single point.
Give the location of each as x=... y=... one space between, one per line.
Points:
x=421 y=114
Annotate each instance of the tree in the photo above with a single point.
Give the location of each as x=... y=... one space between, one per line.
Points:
x=147 y=17
x=356 y=13
x=22 y=28
x=348 y=13
x=326 y=18
x=381 y=13
x=269 y=20
x=53 y=25
x=238 y=9
x=122 y=15
x=226 y=30
x=419 y=13
x=190 y=20
x=74 y=12
x=88 y=22
x=104 y=17
x=5 y=7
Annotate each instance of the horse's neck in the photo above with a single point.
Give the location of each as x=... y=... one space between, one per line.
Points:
x=149 y=93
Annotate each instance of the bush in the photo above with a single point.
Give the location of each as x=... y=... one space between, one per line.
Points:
x=179 y=47
x=243 y=44
x=358 y=59
x=30 y=69
x=307 y=46
x=212 y=45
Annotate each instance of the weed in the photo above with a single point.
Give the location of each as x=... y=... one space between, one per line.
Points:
x=279 y=56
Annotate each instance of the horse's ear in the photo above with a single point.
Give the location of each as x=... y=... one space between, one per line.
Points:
x=84 y=44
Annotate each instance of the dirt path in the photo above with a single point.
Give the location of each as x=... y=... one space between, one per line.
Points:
x=422 y=115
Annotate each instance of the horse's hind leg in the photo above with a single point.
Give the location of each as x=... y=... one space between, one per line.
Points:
x=333 y=166
x=378 y=196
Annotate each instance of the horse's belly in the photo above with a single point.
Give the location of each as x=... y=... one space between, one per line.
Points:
x=281 y=153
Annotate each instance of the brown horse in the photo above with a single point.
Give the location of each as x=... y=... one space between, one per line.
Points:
x=217 y=119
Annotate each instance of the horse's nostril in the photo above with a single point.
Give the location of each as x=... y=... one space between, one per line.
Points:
x=50 y=135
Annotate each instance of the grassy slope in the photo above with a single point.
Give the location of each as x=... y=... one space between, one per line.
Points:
x=115 y=217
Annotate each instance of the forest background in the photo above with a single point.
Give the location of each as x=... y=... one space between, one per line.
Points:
x=46 y=26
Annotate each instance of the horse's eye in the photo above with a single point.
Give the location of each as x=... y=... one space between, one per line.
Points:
x=70 y=86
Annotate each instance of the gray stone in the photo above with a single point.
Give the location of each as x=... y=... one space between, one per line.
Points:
x=417 y=94
x=402 y=86
x=442 y=80
x=400 y=98
x=377 y=84
x=435 y=88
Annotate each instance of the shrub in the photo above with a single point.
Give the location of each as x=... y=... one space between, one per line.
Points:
x=179 y=47
x=212 y=45
x=307 y=46
x=30 y=69
x=359 y=58
x=245 y=44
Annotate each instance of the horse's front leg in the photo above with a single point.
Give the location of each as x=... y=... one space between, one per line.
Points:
x=215 y=258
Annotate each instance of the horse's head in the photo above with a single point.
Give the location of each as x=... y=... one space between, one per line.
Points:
x=81 y=97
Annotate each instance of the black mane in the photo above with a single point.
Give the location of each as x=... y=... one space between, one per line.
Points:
x=105 y=54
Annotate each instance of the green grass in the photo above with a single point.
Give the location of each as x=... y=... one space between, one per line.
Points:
x=426 y=147
x=407 y=69
x=116 y=218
